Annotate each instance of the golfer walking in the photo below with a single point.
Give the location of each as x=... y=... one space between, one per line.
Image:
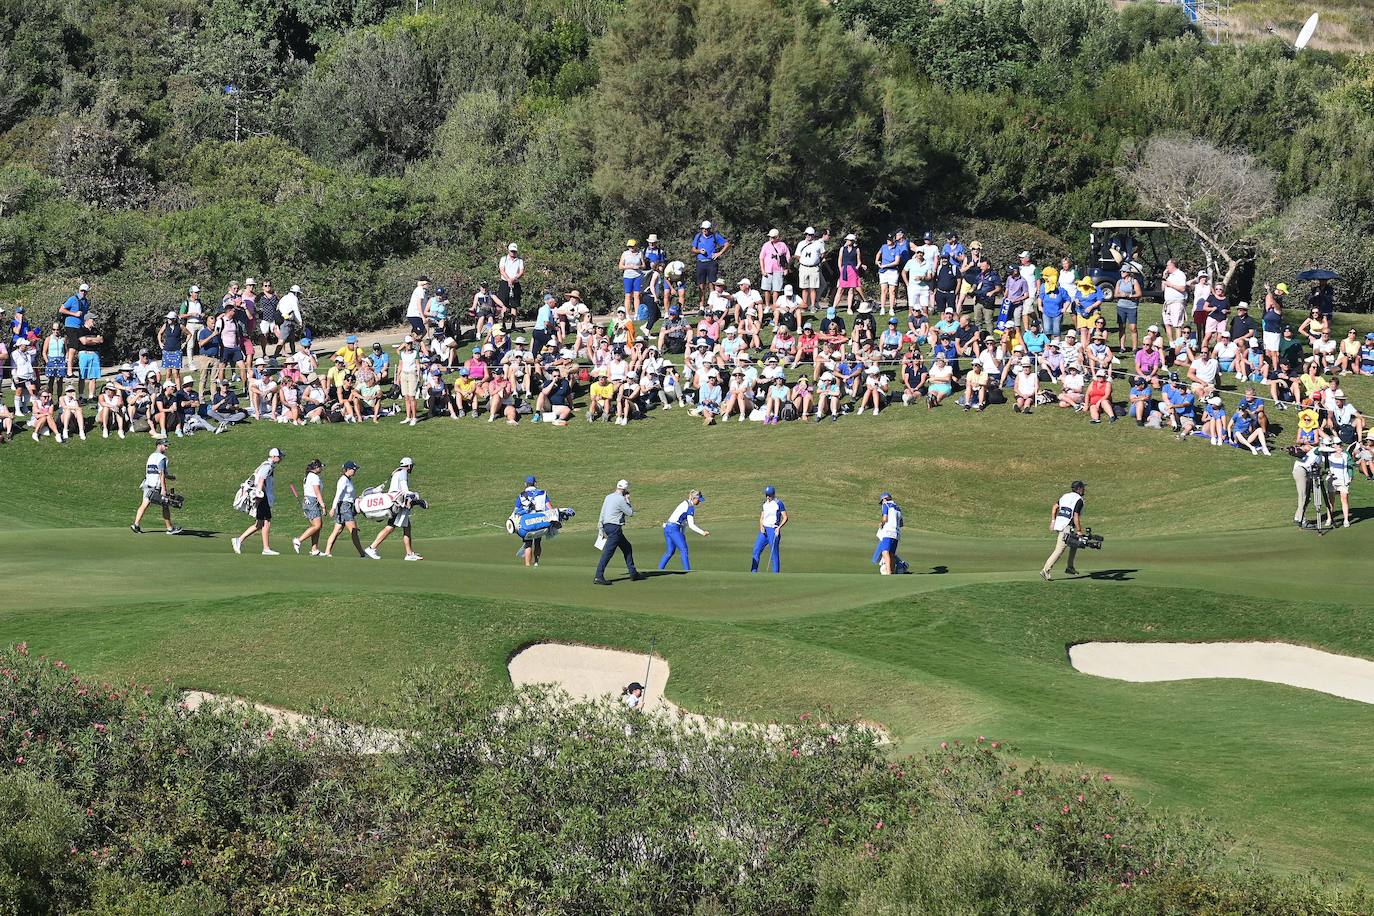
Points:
x=615 y=509
x=343 y=512
x=265 y=492
x=399 y=488
x=1066 y=516
x=771 y=520
x=674 y=533
x=313 y=507
x=155 y=490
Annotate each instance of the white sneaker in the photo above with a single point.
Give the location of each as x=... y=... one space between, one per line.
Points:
x=413 y=421
x=121 y=434
x=414 y=556
x=296 y=544
x=83 y=437
x=315 y=552
x=269 y=552
x=104 y=434
x=372 y=554
x=238 y=547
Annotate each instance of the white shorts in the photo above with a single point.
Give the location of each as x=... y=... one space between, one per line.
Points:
x=918 y=297
x=887 y=277
x=1340 y=483
x=1271 y=341
x=267 y=327
x=809 y=277
x=771 y=283
x=1175 y=314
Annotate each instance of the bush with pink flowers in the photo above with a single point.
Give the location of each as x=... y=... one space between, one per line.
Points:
x=116 y=798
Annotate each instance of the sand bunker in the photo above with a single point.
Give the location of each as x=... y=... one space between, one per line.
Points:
x=1275 y=662
x=367 y=740
x=589 y=673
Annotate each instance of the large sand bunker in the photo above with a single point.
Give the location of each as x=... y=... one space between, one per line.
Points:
x=1275 y=662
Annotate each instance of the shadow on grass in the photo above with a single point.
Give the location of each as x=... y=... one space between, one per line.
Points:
x=197 y=533
x=1111 y=575
x=938 y=570
x=655 y=573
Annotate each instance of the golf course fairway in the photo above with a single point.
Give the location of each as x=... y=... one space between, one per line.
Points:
x=1200 y=547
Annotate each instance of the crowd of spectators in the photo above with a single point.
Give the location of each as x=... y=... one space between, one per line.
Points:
x=824 y=334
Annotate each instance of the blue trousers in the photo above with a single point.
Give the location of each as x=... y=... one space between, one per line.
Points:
x=615 y=540
x=674 y=541
x=768 y=538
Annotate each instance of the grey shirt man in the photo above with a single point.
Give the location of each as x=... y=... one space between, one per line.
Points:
x=615 y=509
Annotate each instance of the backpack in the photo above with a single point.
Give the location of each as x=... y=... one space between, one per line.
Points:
x=788 y=412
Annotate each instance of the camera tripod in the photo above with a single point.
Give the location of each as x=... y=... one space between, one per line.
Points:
x=1322 y=499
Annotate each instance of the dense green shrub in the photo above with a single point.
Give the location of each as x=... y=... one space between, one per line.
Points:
x=117 y=800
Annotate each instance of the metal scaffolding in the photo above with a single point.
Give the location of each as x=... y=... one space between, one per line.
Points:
x=1210 y=16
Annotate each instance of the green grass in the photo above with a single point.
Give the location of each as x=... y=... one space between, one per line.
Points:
x=1198 y=547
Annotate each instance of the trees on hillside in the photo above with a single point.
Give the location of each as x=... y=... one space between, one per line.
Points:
x=1217 y=195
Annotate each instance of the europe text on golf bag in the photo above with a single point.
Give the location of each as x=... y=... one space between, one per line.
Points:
x=533 y=525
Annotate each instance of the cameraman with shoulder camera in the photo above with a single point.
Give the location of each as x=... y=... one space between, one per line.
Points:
x=156 y=490
x=1066 y=517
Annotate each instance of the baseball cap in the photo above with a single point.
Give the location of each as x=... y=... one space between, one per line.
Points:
x=769 y=490
x=1154 y=328
x=674 y=310
x=351 y=338
x=810 y=230
x=276 y=453
x=851 y=237
x=295 y=289
x=171 y=314
x=1282 y=288
x=194 y=289
x=886 y=495
x=408 y=339
x=706 y=224
x=259 y=361
x=1024 y=254
x=512 y=247
x=519 y=340
x=407 y=462
x=250 y=282
x=743 y=281
x=631 y=243
x=772 y=233
x=622 y=483
x=84 y=287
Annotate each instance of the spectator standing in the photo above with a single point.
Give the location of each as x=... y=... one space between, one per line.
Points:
x=774 y=259
x=1175 y=313
x=848 y=261
x=415 y=309
x=73 y=313
x=1128 y=292
x=192 y=313
x=889 y=263
x=171 y=338
x=292 y=322
x=56 y=356
x=1323 y=299
x=408 y=377
x=708 y=247
x=631 y=267
x=511 y=269
x=88 y=354
x=919 y=274
x=615 y=511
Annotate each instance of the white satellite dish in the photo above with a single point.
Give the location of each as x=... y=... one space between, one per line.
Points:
x=1306 y=34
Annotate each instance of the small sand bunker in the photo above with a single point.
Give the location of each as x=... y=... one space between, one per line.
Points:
x=1275 y=662
x=368 y=740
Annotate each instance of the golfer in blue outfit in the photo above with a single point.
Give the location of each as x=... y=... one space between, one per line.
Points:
x=674 y=537
x=771 y=520
x=889 y=536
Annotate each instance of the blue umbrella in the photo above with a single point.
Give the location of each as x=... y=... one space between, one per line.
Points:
x=1318 y=273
